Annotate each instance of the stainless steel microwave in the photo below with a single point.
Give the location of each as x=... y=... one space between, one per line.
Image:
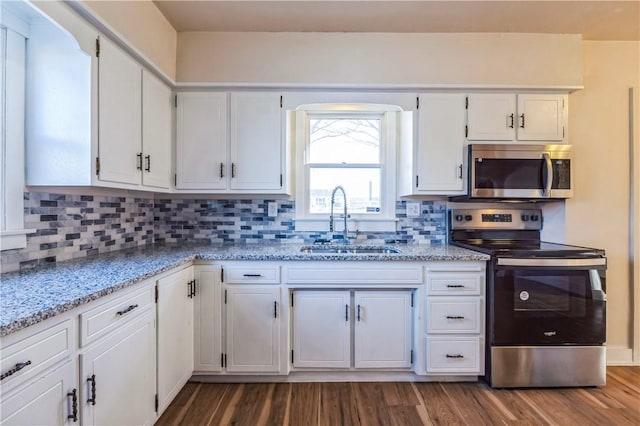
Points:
x=520 y=171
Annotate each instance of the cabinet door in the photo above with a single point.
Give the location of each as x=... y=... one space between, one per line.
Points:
x=208 y=319
x=119 y=374
x=201 y=144
x=253 y=328
x=321 y=329
x=383 y=328
x=157 y=132
x=256 y=141
x=119 y=115
x=541 y=117
x=46 y=401
x=440 y=165
x=175 y=334
x=491 y=117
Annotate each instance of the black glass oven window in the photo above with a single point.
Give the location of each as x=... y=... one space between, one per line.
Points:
x=506 y=173
x=545 y=306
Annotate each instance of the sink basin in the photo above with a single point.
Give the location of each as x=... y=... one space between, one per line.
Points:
x=349 y=250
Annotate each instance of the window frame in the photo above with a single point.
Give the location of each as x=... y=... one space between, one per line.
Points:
x=386 y=220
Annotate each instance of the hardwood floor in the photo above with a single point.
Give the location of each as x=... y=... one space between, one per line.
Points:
x=407 y=404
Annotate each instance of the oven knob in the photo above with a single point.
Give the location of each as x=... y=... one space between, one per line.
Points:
x=525 y=217
x=535 y=217
x=459 y=218
x=468 y=217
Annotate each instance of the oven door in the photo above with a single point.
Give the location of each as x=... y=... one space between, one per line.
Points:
x=547 y=302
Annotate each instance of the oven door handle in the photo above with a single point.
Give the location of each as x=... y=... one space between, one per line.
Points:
x=597 y=292
x=582 y=263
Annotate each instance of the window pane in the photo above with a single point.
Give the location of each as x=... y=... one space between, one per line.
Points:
x=344 y=140
x=361 y=185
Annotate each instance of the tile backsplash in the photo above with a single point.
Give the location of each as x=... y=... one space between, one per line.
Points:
x=69 y=226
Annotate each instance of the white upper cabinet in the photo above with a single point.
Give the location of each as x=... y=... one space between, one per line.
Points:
x=230 y=143
x=157 y=132
x=119 y=115
x=256 y=141
x=523 y=117
x=134 y=123
x=542 y=117
x=201 y=152
x=436 y=155
x=491 y=117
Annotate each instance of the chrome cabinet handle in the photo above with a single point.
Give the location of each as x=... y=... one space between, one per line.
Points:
x=74 y=405
x=19 y=366
x=460 y=171
x=127 y=310
x=92 y=400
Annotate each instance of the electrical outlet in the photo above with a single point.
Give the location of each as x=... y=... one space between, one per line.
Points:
x=413 y=209
x=272 y=210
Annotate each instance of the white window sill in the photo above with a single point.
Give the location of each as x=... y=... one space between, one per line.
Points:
x=15 y=239
x=361 y=225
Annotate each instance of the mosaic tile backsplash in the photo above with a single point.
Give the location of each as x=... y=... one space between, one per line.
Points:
x=70 y=226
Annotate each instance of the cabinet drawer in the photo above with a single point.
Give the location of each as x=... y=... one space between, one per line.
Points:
x=454 y=315
x=34 y=354
x=252 y=275
x=454 y=355
x=454 y=283
x=111 y=315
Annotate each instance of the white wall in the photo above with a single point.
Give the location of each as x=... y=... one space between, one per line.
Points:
x=598 y=215
x=359 y=59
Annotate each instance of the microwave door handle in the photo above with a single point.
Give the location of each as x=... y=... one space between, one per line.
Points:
x=546 y=192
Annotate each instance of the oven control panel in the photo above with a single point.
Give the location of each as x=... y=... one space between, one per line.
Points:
x=512 y=219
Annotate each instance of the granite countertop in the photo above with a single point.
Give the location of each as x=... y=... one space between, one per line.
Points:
x=29 y=297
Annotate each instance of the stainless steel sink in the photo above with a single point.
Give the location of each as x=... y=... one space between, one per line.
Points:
x=348 y=250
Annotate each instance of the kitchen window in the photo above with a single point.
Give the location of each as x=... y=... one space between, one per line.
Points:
x=348 y=145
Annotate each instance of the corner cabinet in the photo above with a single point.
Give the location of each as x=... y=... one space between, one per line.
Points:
x=231 y=143
x=437 y=156
x=509 y=117
x=135 y=119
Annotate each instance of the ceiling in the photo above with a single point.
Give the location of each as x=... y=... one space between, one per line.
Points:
x=595 y=20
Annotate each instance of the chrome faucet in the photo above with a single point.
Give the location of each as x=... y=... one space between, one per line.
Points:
x=345 y=231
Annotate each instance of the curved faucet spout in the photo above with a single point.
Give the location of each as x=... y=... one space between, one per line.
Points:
x=345 y=215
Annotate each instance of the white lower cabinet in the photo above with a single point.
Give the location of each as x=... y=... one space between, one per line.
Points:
x=49 y=400
x=454 y=306
x=252 y=328
x=208 y=319
x=381 y=323
x=176 y=294
x=118 y=375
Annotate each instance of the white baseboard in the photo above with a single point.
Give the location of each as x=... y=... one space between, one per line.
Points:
x=619 y=355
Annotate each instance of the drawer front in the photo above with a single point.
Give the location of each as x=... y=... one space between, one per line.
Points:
x=252 y=275
x=109 y=316
x=375 y=273
x=34 y=354
x=454 y=355
x=454 y=315
x=454 y=283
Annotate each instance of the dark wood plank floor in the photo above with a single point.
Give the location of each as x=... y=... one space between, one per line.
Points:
x=407 y=404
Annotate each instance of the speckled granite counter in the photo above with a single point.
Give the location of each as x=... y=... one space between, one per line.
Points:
x=27 y=298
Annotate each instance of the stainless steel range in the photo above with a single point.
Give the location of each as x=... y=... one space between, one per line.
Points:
x=546 y=303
